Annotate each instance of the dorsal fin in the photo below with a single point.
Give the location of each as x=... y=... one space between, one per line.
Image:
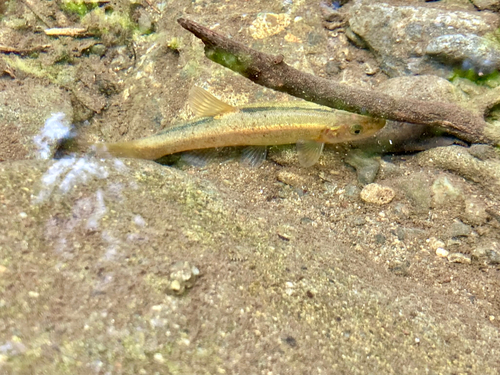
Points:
x=205 y=104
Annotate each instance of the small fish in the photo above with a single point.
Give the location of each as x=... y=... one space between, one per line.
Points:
x=218 y=124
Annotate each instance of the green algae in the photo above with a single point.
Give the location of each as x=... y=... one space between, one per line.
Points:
x=78 y=7
x=490 y=80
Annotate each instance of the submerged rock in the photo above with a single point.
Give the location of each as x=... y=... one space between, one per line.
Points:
x=459 y=229
x=444 y=192
x=487 y=253
x=493 y=5
x=366 y=165
x=467 y=51
x=399 y=35
x=457 y=159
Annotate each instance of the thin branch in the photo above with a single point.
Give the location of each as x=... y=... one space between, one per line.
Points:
x=272 y=72
x=66 y=31
x=24 y=51
x=34 y=7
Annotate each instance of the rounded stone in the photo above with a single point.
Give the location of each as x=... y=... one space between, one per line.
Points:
x=377 y=194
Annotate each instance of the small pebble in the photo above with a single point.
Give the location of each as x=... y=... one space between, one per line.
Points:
x=459 y=258
x=182 y=276
x=158 y=357
x=291 y=179
x=474 y=213
x=440 y=252
x=444 y=192
x=434 y=243
x=366 y=166
x=459 y=229
x=489 y=252
x=377 y=194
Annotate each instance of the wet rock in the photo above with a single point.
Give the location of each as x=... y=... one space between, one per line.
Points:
x=268 y=24
x=459 y=258
x=366 y=165
x=409 y=233
x=475 y=212
x=483 y=152
x=493 y=5
x=380 y=239
x=445 y=193
x=98 y=49
x=423 y=87
x=467 y=51
x=352 y=191
x=459 y=229
x=417 y=188
x=487 y=252
x=33 y=120
x=182 y=276
x=332 y=68
x=399 y=35
x=377 y=194
x=458 y=160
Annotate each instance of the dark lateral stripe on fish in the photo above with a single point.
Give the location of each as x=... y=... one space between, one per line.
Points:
x=185 y=125
x=261 y=109
x=247 y=110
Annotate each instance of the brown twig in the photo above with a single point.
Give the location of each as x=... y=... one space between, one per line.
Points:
x=24 y=51
x=272 y=72
x=34 y=7
x=66 y=31
x=153 y=6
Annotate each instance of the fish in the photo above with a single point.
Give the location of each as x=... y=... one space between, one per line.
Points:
x=256 y=126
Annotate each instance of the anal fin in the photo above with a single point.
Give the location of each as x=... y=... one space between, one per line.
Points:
x=309 y=152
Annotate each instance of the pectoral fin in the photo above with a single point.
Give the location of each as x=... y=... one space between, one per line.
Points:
x=254 y=156
x=309 y=152
x=205 y=104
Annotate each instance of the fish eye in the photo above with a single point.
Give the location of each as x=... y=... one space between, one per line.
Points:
x=356 y=129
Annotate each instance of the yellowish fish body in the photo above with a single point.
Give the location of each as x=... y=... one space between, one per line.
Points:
x=307 y=124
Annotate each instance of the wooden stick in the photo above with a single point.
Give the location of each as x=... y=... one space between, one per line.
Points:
x=66 y=31
x=272 y=72
x=24 y=51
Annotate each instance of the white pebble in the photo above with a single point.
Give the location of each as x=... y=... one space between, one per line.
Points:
x=443 y=253
x=158 y=357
